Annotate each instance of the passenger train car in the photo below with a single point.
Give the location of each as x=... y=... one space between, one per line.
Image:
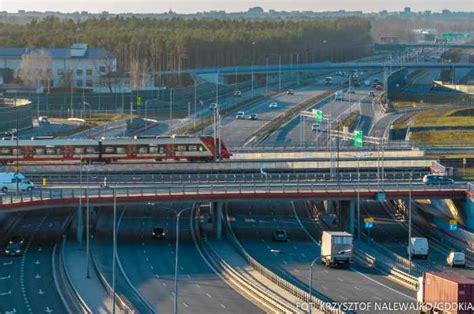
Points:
x=113 y=150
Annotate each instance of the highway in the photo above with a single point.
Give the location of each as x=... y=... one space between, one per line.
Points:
x=391 y=231
x=149 y=263
x=254 y=224
x=27 y=282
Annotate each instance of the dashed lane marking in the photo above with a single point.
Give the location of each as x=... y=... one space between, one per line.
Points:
x=6 y=293
x=185 y=304
x=210 y=296
x=5 y=278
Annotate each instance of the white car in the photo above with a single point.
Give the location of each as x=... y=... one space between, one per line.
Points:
x=240 y=115
x=419 y=247
x=273 y=105
x=456 y=259
x=315 y=127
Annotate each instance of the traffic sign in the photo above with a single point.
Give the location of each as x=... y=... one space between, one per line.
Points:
x=453 y=225
x=358 y=138
x=369 y=222
x=318 y=115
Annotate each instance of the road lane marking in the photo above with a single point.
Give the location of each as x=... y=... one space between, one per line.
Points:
x=357 y=288
x=185 y=304
x=40 y=291
x=208 y=295
x=340 y=279
x=7 y=263
x=6 y=277
x=6 y=293
x=37 y=276
x=222 y=306
x=37 y=262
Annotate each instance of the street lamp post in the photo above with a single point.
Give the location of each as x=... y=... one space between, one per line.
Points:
x=87 y=226
x=114 y=250
x=176 y=261
x=409 y=225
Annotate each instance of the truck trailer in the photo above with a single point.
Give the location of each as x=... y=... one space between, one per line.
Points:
x=445 y=293
x=336 y=248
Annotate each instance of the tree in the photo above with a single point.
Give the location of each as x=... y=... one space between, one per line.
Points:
x=36 y=68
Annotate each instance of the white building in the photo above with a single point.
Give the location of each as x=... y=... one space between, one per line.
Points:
x=80 y=65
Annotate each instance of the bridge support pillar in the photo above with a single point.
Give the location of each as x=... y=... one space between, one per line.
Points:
x=80 y=226
x=469 y=213
x=346 y=215
x=351 y=213
x=219 y=218
x=329 y=206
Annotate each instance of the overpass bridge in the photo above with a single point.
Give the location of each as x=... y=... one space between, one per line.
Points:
x=391 y=47
x=306 y=67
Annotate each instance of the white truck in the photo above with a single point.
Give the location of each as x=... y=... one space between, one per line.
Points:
x=336 y=248
x=10 y=181
x=419 y=247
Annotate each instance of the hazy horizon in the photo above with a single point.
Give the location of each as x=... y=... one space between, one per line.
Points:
x=190 y=6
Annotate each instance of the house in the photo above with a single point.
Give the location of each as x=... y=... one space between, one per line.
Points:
x=78 y=66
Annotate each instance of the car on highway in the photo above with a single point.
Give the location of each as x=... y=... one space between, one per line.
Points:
x=371 y=94
x=378 y=87
x=212 y=106
x=434 y=179
x=315 y=127
x=290 y=92
x=252 y=116
x=238 y=93
x=419 y=247
x=367 y=83
x=280 y=235
x=240 y=115
x=328 y=80
x=14 y=247
x=351 y=91
x=158 y=233
x=273 y=105
x=42 y=120
x=456 y=259
x=339 y=95
x=11 y=181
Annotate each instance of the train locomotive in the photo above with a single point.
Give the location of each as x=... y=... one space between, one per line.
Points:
x=203 y=148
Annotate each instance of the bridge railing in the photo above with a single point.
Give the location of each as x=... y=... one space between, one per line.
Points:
x=219 y=189
x=134 y=178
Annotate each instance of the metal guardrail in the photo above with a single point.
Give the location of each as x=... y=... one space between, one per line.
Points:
x=222 y=189
x=292 y=289
x=74 y=299
x=121 y=301
x=240 y=282
x=134 y=178
x=393 y=273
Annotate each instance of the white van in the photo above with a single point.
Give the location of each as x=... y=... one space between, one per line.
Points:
x=339 y=95
x=456 y=259
x=419 y=247
x=10 y=180
x=240 y=115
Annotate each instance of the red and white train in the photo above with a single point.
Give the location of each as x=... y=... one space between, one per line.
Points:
x=204 y=148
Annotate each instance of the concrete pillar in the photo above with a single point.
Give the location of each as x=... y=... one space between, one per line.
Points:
x=351 y=213
x=329 y=205
x=219 y=217
x=80 y=226
x=469 y=213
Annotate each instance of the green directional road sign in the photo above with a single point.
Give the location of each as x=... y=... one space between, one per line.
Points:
x=319 y=116
x=358 y=138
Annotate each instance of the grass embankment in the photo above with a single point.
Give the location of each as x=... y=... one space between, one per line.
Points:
x=351 y=120
x=443 y=137
x=445 y=116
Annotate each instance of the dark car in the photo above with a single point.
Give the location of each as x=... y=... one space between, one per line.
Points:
x=290 y=92
x=280 y=235
x=238 y=93
x=14 y=247
x=159 y=233
x=433 y=179
x=252 y=116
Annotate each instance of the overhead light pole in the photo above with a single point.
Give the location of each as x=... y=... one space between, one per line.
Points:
x=176 y=260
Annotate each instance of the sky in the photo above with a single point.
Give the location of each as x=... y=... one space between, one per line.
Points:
x=190 y=6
